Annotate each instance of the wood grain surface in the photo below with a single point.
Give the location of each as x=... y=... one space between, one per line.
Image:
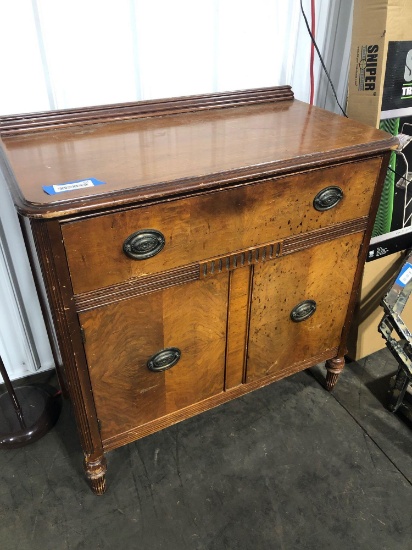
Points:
x=51 y=256
x=153 y=426
x=323 y=273
x=119 y=339
x=238 y=326
x=214 y=224
x=29 y=123
x=222 y=176
x=150 y=157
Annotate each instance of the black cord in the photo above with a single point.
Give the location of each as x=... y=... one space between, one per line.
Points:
x=321 y=60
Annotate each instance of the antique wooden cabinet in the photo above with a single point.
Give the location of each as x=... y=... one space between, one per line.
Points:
x=191 y=250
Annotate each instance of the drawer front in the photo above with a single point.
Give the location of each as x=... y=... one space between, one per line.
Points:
x=214 y=224
x=319 y=277
x=120 y=340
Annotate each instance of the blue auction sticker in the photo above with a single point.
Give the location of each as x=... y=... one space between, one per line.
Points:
x=405 y=275
x=71 y=186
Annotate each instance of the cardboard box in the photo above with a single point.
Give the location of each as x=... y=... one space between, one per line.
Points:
x=364 y=338
x=378 y=90
x=375 y=24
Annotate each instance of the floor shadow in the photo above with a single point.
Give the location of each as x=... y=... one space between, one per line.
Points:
x=379 y=387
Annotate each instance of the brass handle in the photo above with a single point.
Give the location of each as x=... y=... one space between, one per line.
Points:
x=164 y=359
x=143 y=244
x=327 y=198
x=303 y=311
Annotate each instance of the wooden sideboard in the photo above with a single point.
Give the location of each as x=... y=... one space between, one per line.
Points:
x=203 y=247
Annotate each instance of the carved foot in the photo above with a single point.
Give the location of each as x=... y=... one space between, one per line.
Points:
x=98 y=485
x=334 y=367
x=95 y=474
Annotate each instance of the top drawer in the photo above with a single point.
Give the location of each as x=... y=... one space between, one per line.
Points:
x=214 y=224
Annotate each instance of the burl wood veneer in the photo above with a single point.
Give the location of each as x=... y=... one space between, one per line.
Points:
x=222 y=252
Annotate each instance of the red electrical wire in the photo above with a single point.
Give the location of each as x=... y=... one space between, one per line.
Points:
x=312 y=52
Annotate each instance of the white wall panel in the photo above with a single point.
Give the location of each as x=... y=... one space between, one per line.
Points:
x=23 y=86
x=89 y=51
x=176 y=47
x=250 y=53
x=24 y=346
x=337 y=33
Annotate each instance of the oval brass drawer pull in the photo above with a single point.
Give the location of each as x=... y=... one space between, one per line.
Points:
x=164 y=359
x=143 y=244
x=303 y=311
x=327 y=198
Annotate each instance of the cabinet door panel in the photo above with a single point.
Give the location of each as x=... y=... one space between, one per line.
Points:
x=324 y=274
x=120 y=338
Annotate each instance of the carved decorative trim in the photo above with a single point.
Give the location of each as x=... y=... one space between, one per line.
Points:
x=318 y=236
x=242 y=258
x=139 y=286
x=135 y=287
x=334 y=367
x=152 y=283
x=34 y=122
x=43 y=245
x=95 y=473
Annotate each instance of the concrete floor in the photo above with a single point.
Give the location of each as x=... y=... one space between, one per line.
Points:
x=286 y=467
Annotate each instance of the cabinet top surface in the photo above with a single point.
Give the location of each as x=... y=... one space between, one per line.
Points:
x=169 y=153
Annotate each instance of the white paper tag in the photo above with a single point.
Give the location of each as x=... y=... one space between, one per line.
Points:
x=406 y=276
x=71 y=186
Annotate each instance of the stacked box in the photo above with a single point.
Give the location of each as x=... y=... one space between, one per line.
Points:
x=380 y=94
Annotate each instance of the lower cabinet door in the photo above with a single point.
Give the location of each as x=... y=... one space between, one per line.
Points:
x=299 y=305
x=157 y=353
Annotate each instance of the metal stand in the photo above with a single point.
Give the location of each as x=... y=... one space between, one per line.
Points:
x=27 y=412
x=393 y=303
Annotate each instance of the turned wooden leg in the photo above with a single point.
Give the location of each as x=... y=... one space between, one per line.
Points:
x=334 y=367
x=95 y=469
